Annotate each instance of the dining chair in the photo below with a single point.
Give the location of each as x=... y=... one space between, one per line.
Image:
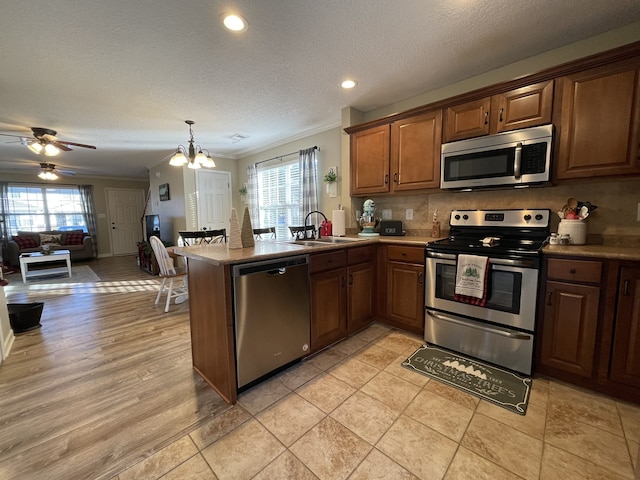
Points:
x=197 y=237
x=300 y=233
x=258 y=232
x=169 y=272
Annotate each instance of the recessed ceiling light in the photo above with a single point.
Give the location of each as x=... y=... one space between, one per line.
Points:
x=349 y=84
x=235 y=23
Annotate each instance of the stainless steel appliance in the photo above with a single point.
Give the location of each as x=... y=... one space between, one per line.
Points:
x=517 y=158
x=272 y=316
x=503 y=330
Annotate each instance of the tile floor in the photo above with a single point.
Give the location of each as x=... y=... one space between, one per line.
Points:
x=353 y=412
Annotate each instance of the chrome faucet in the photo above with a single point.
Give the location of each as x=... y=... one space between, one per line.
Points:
x=318 y=232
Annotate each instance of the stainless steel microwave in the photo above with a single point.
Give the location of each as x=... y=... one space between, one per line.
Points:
x=516 y=158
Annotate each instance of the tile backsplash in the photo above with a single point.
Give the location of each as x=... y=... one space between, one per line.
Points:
x=615 y=216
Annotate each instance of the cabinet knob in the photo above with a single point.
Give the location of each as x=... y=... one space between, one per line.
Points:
x=486 y=118
x=500 y=118
x=395 y=177
x=420 y=278
x=386 y=179
x=572 y=270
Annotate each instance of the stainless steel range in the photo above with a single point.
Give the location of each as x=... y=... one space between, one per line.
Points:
x=499 y=327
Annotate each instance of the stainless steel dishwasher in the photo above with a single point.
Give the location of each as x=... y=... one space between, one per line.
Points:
x=272 y=316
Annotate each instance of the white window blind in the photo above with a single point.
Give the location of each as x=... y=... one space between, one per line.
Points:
x=279 y=197
x=36 y=208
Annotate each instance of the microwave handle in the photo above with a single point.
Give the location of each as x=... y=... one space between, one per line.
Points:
x=517 y=161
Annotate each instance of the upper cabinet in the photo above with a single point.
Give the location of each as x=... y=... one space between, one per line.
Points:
x=597 y=122
x=402 y=156
x=519 y=108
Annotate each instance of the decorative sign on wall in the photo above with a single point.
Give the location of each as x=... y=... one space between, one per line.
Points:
x=164 y=192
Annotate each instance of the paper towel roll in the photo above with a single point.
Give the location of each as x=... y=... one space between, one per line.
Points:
x=338 y=220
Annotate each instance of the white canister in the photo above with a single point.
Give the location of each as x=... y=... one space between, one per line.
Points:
x=576 y=229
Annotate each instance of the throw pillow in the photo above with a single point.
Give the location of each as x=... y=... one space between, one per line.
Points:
x=74 y=238
x=46 y=239
x=25 y=242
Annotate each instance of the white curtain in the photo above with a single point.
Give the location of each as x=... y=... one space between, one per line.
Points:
x=309 y=179
x=252 y=192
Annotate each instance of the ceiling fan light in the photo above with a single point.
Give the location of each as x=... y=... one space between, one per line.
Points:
x=194 y=165
x=35 y=147
x=51 y=150
x=178 y=160
x=47 y=175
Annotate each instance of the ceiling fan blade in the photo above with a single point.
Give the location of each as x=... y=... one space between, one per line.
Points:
x=62 y=146
x=62 y=142
x=8 y=135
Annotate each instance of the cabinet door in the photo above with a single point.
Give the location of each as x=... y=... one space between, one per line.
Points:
x=370 y=161
x=528 y=106
x=625 y=359
x=599 y=122
x=415 y=152
x=405 y=295
x=360 y=296
x=569 y=327
x=467 y=120
x=328 y=308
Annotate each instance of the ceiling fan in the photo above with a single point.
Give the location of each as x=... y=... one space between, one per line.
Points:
x=48 y=171
x=45 y=141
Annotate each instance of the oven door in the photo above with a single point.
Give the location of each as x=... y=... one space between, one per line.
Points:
x=511 y=294
x=501 y=346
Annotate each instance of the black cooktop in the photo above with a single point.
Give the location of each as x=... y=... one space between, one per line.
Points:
x=499 y=233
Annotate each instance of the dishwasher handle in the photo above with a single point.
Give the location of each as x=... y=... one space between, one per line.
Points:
x=278 y=266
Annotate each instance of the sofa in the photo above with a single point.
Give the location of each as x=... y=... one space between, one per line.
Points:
x=79 y=244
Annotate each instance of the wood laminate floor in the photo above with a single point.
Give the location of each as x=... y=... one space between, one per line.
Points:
x=106 y=381
x=105 y=390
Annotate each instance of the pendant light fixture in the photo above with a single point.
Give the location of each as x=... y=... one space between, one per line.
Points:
x=190 y=157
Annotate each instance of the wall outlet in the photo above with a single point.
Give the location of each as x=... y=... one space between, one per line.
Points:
x=409 y=214
x=386 y=214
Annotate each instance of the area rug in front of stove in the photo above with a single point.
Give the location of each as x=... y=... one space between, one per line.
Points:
x=493 y=384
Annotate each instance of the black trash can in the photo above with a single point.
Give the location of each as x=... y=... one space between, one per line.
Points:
x=24 y=317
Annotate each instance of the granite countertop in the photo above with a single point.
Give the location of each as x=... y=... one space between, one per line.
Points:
x=611 y=252
x=220 y=254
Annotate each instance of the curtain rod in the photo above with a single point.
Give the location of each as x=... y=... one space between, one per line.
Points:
x=315 y=147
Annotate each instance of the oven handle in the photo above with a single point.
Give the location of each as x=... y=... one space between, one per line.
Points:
x=495 y=261
x=504 y=333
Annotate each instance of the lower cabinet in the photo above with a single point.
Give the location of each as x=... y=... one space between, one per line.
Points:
x=625 y=358
x=589 y=325
x=342 y=284
x=403 y=282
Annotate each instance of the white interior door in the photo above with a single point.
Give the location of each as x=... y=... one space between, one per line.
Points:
x=214 y=199
x=125 y=211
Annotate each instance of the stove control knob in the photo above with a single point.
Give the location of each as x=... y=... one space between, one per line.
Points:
x=465 y=217
x=538 y=217
x=457 y=217
x=527 y=217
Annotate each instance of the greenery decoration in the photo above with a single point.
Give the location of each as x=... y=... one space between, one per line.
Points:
x=330 y=177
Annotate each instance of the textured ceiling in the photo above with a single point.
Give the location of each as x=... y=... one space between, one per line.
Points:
x=123 y=75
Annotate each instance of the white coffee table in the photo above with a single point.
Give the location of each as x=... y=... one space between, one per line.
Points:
x=27 y=259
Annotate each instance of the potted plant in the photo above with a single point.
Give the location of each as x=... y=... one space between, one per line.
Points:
x=330 y=179
x=243 y=192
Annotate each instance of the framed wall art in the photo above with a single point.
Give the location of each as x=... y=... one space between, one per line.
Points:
x=164 y=192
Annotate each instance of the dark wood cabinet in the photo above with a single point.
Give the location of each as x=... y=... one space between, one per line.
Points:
x=415 y=152
x=370 y=161
x=597 y=122
x=589 y=325
x=527 y=106
x=403 y=283
x=570 y=315
x=570 y=324
x=400 y=157
x=328 y=298
x=625 y=357
x=342 y=283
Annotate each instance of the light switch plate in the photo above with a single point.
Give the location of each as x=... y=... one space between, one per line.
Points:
x=409 y=213
x=638 y=217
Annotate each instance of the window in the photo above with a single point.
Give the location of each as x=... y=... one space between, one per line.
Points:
x=279 y=197
x=36 y=209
